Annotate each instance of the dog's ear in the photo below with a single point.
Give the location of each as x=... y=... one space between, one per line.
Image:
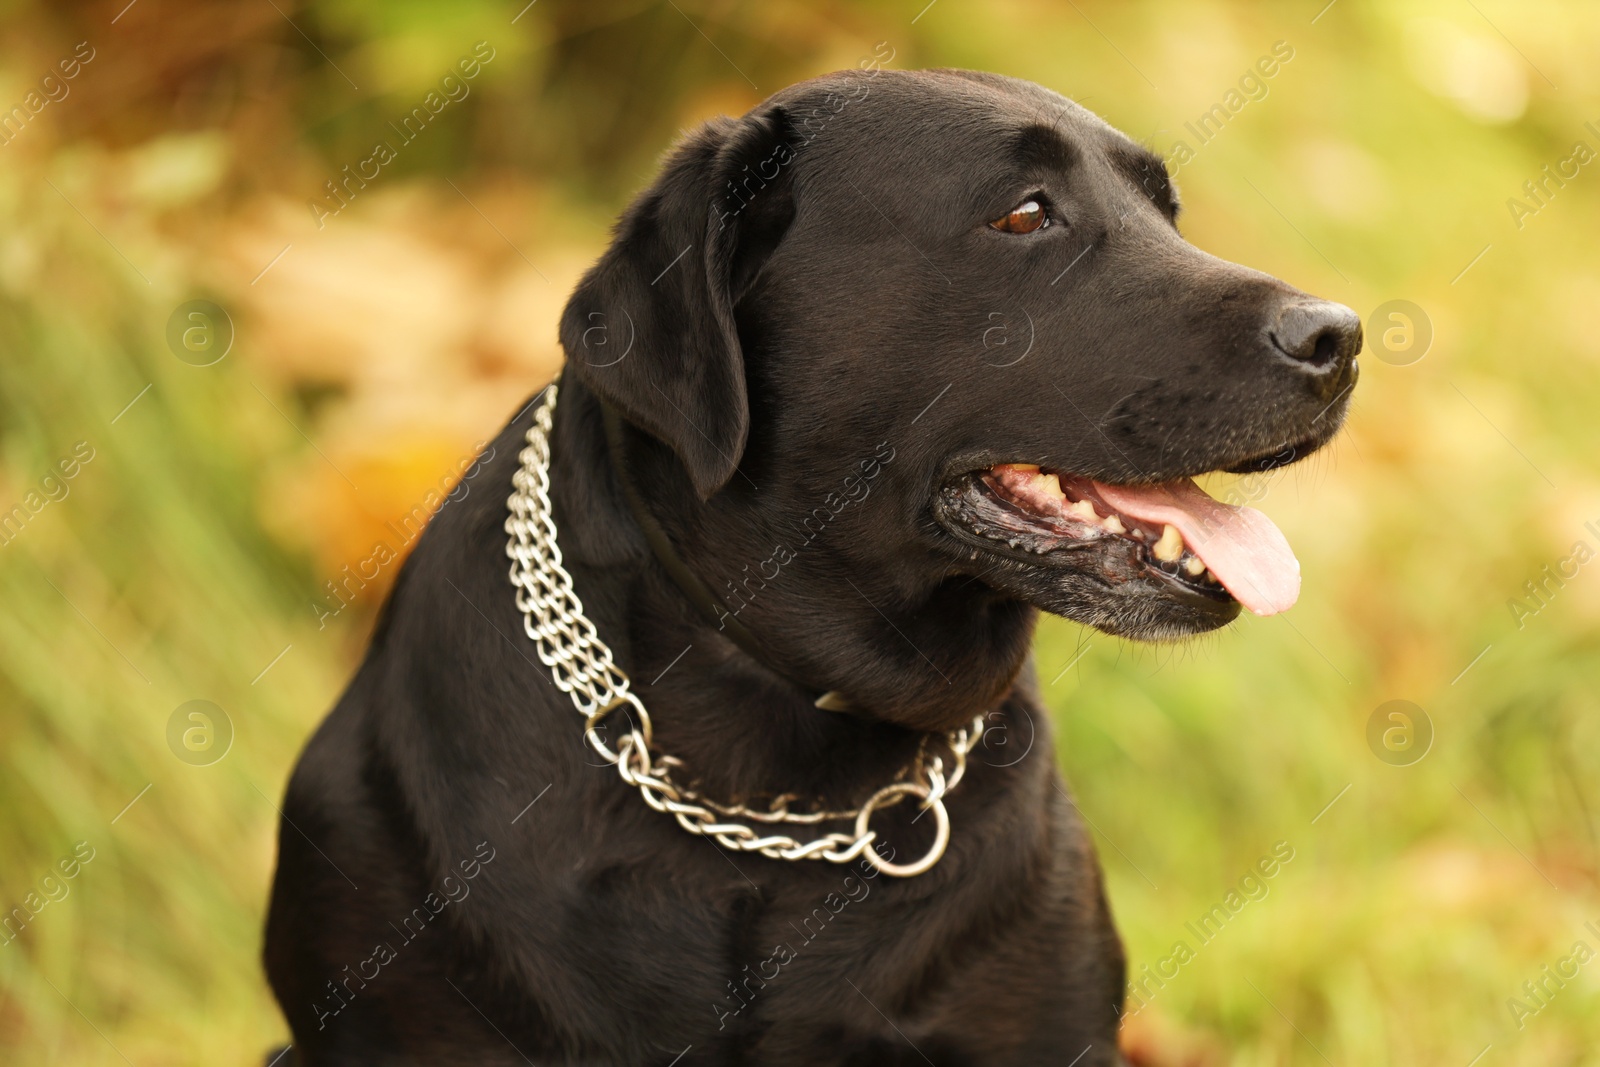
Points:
x=651 y=327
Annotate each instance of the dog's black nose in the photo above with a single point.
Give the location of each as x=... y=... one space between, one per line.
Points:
x=1318 y=334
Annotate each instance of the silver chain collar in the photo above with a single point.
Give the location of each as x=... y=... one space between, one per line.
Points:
x=584 y=669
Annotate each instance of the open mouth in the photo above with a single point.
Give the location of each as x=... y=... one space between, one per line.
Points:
x=1171 y=536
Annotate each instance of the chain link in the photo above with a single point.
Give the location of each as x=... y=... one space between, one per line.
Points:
x=583 y=668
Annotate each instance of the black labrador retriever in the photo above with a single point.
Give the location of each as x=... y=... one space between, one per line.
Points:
x=867 y=378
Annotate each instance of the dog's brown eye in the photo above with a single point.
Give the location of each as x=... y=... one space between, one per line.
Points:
x=1026 y=217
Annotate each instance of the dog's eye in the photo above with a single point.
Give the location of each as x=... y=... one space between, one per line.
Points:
x=1026 y=217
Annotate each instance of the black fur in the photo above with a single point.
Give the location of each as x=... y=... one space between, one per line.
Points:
x=793 y=322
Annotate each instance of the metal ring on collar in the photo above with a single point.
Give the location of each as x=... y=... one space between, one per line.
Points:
x=888 y=796
x=616 y=702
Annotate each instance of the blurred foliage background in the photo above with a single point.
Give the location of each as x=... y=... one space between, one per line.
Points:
x=189 y=556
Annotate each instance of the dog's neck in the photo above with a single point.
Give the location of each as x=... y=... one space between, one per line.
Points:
x=907 y=660
x=711 y=606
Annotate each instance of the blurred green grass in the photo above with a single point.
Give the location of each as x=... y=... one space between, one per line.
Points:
x=187 y=555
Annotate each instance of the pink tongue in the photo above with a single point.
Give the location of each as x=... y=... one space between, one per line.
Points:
x=1244 y=550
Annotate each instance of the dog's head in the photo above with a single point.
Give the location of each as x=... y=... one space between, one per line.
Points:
x=937 y=337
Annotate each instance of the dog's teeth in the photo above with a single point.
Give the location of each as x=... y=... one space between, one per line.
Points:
x=1194 y=566
x=1170 y=547
x=1114 y=525
x=1083 y=510
x=1050 y=485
